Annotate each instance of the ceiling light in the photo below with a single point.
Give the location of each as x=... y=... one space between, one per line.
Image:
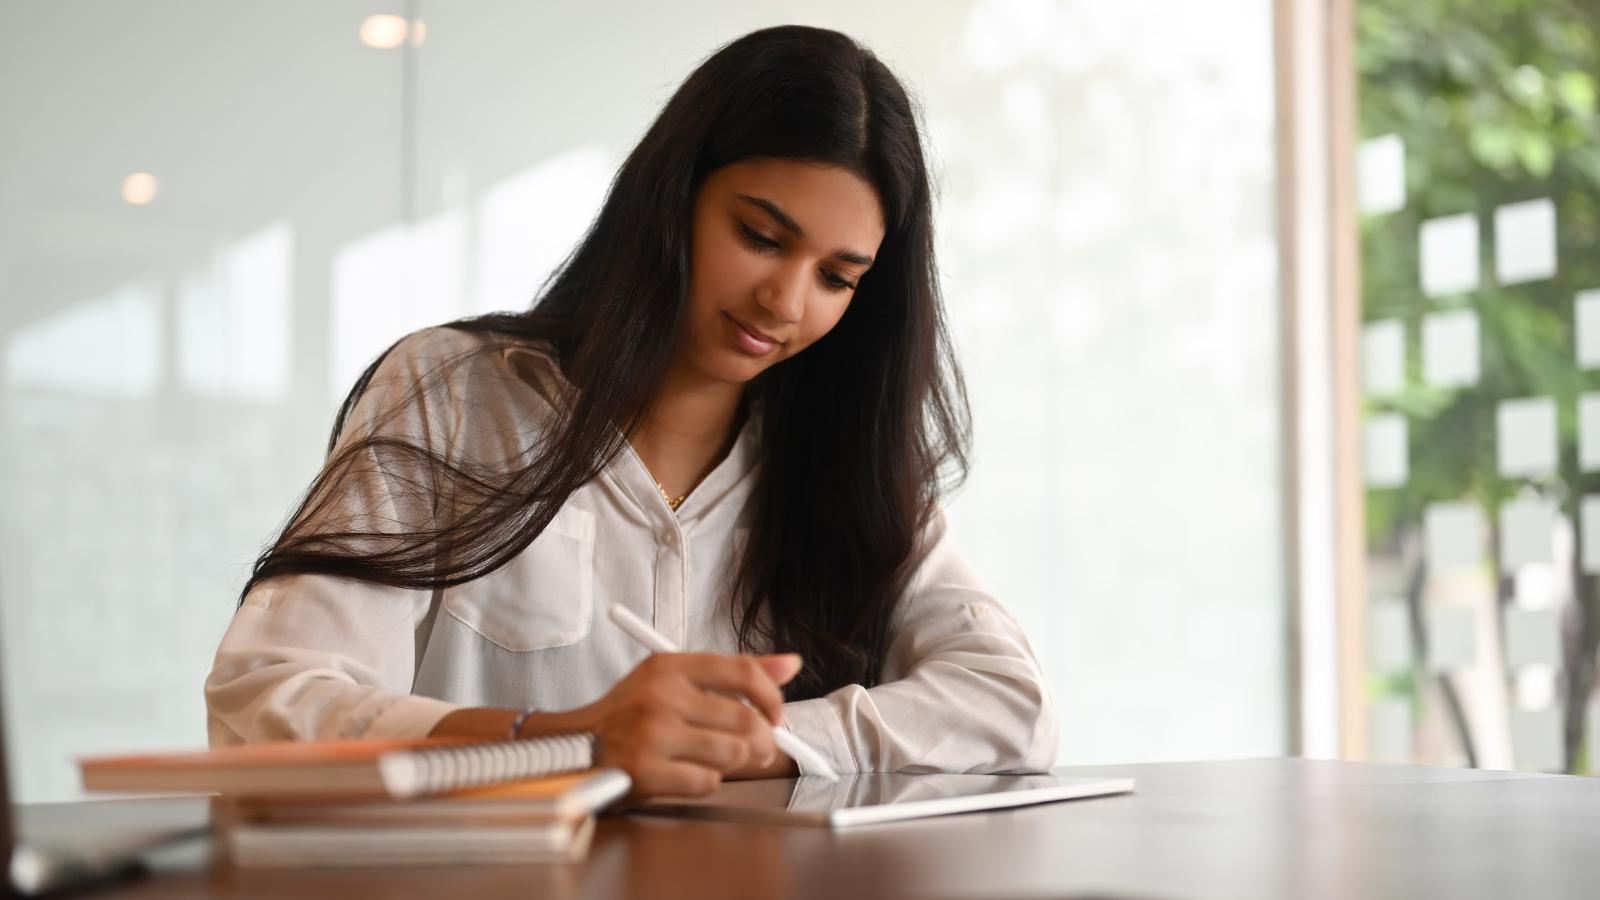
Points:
x=384 y=32
x=139 y=188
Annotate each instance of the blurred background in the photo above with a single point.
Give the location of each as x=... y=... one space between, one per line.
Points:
x=214 y=215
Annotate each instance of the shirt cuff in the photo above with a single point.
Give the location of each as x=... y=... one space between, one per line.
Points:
x=410 y=717
x=817 y=723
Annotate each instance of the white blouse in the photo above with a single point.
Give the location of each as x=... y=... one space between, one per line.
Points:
x=313 y=656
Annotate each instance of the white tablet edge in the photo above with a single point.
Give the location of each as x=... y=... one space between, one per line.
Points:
x=944 y=806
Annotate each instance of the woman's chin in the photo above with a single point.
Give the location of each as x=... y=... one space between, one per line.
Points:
x=728 y=364
x=737 y=367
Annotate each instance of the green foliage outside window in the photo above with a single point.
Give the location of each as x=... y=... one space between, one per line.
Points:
x=1496 y=101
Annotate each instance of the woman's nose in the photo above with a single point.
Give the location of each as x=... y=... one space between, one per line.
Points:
x=783 y=295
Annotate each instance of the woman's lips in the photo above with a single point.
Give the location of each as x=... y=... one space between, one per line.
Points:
x=750 y=340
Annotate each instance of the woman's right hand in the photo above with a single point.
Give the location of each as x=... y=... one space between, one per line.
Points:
x=675 y=723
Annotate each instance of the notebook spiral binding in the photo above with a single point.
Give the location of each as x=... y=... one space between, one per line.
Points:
x=414 y=773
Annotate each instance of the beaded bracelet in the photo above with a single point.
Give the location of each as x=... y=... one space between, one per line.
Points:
x=519 y=721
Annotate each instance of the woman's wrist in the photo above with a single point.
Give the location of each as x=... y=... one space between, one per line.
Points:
x=515 y=731
x=494 y=722
x=542 y=724
x=474 y=722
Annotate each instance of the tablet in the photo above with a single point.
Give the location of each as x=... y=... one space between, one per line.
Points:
x=860 y=799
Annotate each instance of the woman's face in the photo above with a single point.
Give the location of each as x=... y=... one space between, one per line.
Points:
x=778 y=248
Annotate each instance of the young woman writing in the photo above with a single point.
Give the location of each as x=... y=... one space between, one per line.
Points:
x=733 y=411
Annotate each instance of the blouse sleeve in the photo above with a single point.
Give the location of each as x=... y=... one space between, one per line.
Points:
x=961 y=689
x=311 y=656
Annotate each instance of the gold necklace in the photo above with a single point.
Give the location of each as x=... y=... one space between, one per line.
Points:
x=674 y=504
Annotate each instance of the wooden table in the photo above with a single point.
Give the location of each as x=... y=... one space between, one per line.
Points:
x=1269 y=828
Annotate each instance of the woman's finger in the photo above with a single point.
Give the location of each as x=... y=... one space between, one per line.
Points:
x=707 y=747
x=721 y=712
x=781 y=667
x=643 y=738
x=738 y=675
x=729 y=715
x=667 y=777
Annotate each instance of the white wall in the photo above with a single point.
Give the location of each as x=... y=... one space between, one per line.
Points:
x=1106 y=173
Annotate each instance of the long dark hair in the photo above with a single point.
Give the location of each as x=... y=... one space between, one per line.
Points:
x=860 y=433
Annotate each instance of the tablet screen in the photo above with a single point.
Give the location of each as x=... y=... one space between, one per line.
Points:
x=858 y=799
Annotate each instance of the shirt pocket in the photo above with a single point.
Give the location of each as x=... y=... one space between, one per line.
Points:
x=541 y=599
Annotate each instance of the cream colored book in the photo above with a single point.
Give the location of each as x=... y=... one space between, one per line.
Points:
x=278 y=846
x=544 y=820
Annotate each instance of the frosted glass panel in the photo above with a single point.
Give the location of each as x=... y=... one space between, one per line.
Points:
x=1586 y=317
x=1533 y=637
x=1525 y=437
x=1385 y=462
x=1534 y=686
x=1592 y=726
x=1536 y=737
x=1452 y=638
x=1388 y=636
x=1453 y=536
x=1389 y=731
x=1383 y=356
x=1589 y=431
x=1525 y=241
x=1589 y=534
x=1527 y=525
x=1450 y=348
x=1449 y=251
x=1381 y=174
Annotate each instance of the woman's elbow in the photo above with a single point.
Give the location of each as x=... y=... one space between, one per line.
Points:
x=1034 y=739
x=1020 y=730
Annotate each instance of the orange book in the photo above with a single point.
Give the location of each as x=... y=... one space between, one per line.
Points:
x=347 y=768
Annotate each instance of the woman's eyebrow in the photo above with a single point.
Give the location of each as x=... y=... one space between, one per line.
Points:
x=790 y=225
x=776 y=212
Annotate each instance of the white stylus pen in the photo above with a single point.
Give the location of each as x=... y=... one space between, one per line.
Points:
x=651 y=640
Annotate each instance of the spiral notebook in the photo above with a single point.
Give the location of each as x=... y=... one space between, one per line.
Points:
x=351 y=768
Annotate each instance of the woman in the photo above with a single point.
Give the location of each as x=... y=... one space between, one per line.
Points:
x=732 y=411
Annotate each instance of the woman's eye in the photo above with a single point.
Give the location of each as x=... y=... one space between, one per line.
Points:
x=836 y=282
x=757 y=239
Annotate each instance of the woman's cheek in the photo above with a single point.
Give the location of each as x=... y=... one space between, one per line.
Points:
x=828 y=312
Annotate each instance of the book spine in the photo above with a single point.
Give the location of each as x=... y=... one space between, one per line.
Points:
x=415 y=773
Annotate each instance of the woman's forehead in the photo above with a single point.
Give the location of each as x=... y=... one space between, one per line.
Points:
x=820 y=200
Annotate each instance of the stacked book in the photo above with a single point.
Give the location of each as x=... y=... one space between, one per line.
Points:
x=384 y=803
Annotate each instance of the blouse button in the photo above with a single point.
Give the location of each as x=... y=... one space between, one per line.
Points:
x=667 y=538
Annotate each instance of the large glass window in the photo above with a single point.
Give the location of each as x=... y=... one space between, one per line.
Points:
x=173 y=180
x=212 y=216
x=1479 y=177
